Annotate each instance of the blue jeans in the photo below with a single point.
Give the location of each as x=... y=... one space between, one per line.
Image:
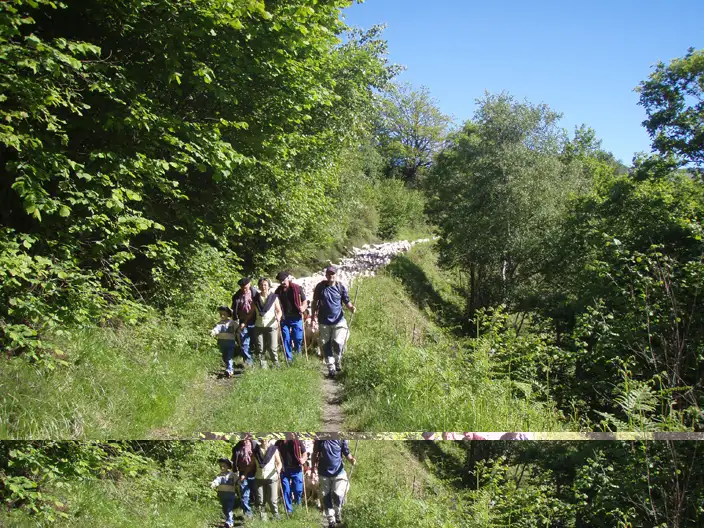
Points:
x=292 y=479
x=227 y=501
x=246 y=487
x=227 y=349
x=292 y=334
x=245 y=342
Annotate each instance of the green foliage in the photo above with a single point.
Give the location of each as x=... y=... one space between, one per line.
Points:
x=673 y=98
x=410 y=130
x=406 y=373
x=121 y=159
x=399 y=207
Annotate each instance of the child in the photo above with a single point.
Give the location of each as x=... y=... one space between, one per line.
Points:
x=225 y=484
x=225 y=332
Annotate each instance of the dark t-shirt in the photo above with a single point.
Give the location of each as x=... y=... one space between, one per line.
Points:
x=287 y=304
x=330 y=458
x=288 y=457
x=330 y=299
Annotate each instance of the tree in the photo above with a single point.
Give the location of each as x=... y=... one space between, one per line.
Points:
x=673 y=98
x=411 y=130
x=497 y=191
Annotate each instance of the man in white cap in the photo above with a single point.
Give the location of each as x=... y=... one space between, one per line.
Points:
x=328 y=299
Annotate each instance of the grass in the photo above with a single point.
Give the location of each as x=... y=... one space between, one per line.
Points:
x=405 y=372
x=388 y=488
x=152 y=381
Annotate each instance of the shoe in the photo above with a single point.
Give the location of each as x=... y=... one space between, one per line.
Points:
x=331 y=524
x=338 y=519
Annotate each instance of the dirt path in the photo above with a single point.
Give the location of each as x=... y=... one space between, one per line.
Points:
x=333 y=418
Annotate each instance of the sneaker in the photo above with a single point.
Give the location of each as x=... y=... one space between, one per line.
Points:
x=331 y=524
x=338 y=519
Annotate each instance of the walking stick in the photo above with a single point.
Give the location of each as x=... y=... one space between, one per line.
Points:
x=281 y=489
x=305 y=493
x=305 y=343
x=283 y=348
x=347 y=487
x=347 y=335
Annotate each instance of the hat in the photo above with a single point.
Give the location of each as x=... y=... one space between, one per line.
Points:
x=282 y=276
x=244 y=281
x=225 y=461
x=331 y=269
x=225 y=309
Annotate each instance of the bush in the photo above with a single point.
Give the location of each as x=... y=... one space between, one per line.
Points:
x=398 y=207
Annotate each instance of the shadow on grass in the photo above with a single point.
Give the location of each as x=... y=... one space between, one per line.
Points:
x=443 y=465
x=424 y=294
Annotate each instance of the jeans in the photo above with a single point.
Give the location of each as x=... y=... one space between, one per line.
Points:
x=292 y=334
x=227 y=501
x=246 y=487
x=227 y=349
x=292 y=480
x=245 y=341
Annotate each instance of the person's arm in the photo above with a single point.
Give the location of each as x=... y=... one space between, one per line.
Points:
x=314 y=308
x=346 y=452
x=346 y=300
x=277 y=462
x=278 y=312
x=304 y=302
x=315 y=457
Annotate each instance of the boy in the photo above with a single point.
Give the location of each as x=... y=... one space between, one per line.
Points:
x=225 y=332
x=225 y=484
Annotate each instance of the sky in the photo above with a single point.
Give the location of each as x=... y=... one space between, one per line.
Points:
x=583 y=59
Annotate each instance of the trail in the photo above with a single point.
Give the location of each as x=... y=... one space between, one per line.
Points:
x=208 y=402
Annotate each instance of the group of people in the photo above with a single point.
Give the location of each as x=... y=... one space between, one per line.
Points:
x=262 y=468
x=261 y=316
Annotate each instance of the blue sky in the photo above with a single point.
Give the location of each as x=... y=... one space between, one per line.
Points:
x=583 y=59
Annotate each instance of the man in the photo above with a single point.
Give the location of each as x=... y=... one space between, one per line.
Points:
x=327 y=459
x=294 y=457
x=243 y=462
x=328 y=298
x=294 y=304
x=243 y=310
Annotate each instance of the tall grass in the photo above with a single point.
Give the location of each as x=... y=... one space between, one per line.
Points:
x=404 y=372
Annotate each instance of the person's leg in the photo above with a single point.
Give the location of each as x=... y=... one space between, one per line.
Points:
x=286 y=338
x=326 y=491
x=227 y=500
x=297 y=331
x=297 y=485
x=245 y=340
x=227 y=349
x=260 y=485
x=259 y=347
x=339 y=337
x=326 y=343
x=272 y=344
x=274 y=496
x=246 y=487
x=339 y=487
x=286 y=489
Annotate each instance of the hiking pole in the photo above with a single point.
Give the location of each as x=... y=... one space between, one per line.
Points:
x=305 y=494
x=283 y=347
x=347 y=486
x=347 y=335
x=305 y=342
x=281 y=489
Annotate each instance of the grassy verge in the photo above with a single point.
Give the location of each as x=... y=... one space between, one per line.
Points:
x=389 y=488
x=405 y=372
x=154 y=380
